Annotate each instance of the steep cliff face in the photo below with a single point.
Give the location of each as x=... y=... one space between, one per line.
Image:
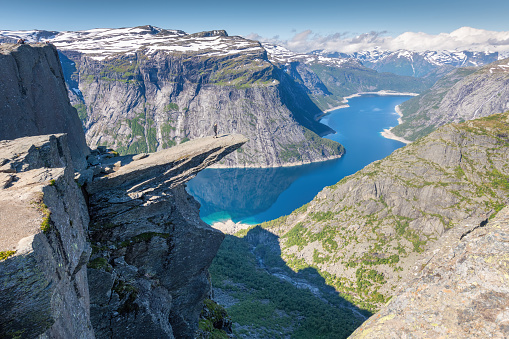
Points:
x=43 y=223
x=34 y=97
x=458 y=289
x=464 y=94
x=151 y=251
x=167 y=87
x=366 y=232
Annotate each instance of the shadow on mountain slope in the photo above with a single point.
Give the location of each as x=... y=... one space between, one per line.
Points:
x=266 y=299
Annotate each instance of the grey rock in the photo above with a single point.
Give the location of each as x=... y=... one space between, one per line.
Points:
x=182 y=95
x=43 y=286
x=93 y=160
x=458 y=289
x=400 y=206
x=463 y=94
x=140 y=156
x=84 y=177
x=151 y=242
x=35 y=97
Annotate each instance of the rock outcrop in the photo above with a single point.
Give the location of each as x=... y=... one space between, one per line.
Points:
x=148 y=264
x=366 y=232
x=458 y=289
x=463 y=94
x=148 y=270
x=43 y=224
x=34 y=97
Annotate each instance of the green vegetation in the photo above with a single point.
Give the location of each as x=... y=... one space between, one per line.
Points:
x=269 y=305
x=167 y=130
x=171 y=107
x=296 y=237
x=100 y=263
x=82 y=111
x=345 y=81
x=6 y=254
x=240 y=72
x=322 y=216
x=292 y=152
x=418 y=110
x=212 y=314
x=127 y=294
x=119 y=69
x=46 y=214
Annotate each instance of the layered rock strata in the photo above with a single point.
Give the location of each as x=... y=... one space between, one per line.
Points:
x=34 y=97
x=151 y=251
x=153 y=88
x=148 y=274
x=43 y=223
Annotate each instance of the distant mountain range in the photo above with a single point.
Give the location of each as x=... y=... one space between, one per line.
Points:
x=418 y=64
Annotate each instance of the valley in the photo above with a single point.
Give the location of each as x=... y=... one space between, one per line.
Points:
x=252 y=196
x=322 y=227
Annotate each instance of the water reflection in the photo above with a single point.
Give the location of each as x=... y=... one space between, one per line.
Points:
x=257 y=195
x=244 y=193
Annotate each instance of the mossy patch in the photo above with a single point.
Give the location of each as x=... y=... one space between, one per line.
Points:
x=100 y=263
x=6 y=254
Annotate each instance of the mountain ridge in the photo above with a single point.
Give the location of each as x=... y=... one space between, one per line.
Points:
x=463 y=94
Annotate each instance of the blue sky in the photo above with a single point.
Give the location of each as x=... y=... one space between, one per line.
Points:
x=267 y=18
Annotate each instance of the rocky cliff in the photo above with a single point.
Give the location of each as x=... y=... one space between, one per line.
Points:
x=464 y=94
x=148 y=270
x=34 y=97
x=458 y=289
x=43 y=247
x=144 y=89
x=128 y=219
x=366 y=232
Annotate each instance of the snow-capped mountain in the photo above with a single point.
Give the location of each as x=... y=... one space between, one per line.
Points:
x=142 y=89
x=283 y=56
x=418 y=64
x=102 y=43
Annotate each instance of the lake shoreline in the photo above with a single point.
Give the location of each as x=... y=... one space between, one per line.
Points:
x=387 y=133
x=344 y=102
x=291 y=164
x=275 y=191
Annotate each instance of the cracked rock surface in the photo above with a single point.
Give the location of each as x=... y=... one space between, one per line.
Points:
x=459 y=289
x=151 y=251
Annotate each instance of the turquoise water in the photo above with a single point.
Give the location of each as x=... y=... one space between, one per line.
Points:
x=252 y=196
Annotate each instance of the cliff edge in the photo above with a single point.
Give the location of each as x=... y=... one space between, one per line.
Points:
x=117 y=250
x=34 y=97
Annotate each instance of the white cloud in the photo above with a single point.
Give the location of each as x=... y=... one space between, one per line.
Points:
x=464 y=38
